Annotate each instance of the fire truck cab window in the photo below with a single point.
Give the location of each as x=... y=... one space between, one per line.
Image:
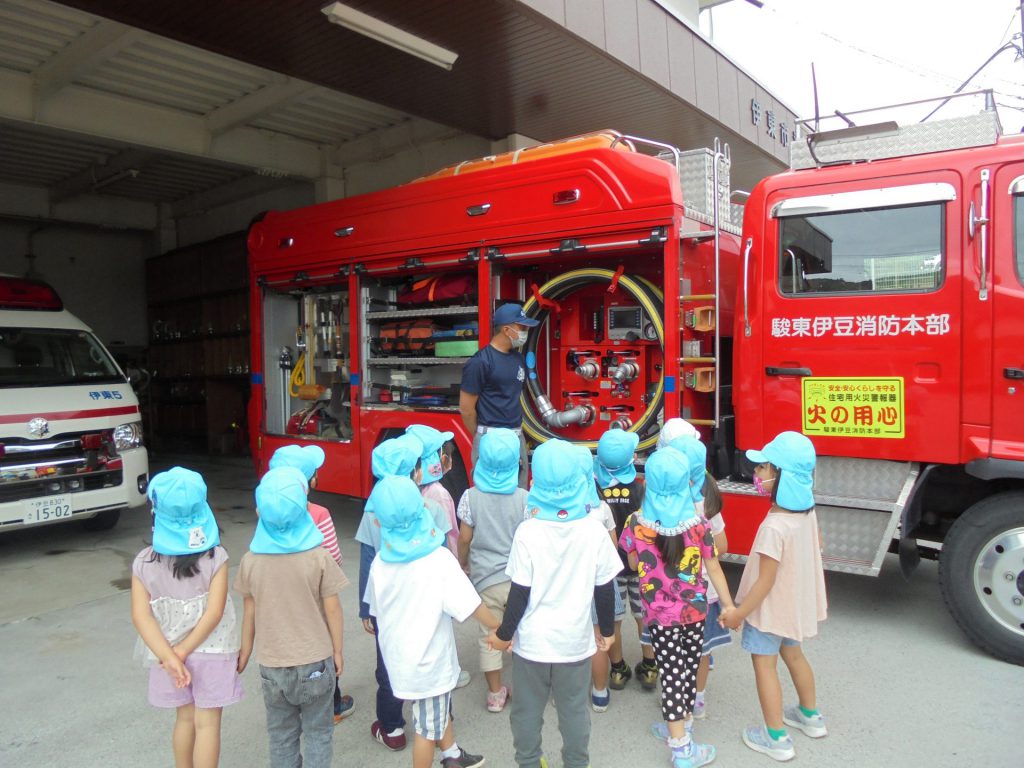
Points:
x=877 y=250
x=1018 y=235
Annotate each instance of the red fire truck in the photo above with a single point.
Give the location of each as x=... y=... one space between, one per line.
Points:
x=872 y=300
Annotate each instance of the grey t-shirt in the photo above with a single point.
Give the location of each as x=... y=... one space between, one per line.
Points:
x=494 y=518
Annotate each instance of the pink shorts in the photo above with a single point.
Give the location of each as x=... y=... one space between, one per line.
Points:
x=215 y=683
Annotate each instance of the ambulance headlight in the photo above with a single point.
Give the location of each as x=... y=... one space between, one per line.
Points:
x=128 y=436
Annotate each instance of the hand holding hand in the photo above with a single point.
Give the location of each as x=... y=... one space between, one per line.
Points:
x=496 y=643
x=603 y=643
x=730 y=618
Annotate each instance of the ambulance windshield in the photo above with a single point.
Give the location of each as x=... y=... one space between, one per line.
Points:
x=45 y=357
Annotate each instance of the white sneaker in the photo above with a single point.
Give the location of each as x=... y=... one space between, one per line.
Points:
x=464 y=678
x=811 y=726
x=759 y=741
x=699 y=710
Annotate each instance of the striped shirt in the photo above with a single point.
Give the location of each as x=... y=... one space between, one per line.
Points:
x=322 y=517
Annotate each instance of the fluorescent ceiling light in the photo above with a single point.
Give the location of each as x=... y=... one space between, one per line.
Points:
x=357 y=21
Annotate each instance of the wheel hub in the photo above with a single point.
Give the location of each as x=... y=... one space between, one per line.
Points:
x=999 y=578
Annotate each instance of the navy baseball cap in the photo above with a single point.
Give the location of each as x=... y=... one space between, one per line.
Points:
x=507 y=314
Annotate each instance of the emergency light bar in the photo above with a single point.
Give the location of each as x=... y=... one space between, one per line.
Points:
x=19 y=293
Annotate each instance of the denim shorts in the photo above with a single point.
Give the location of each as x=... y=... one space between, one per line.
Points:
x=762 y=643
x=715 y=634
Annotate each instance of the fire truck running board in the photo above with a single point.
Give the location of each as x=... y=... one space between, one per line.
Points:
x=859 y=504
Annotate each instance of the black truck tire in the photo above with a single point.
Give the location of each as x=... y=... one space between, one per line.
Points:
x=981 y=573
x=103 y=521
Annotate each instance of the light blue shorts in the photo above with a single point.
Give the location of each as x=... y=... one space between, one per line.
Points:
x=762 y=643
x=715 y=634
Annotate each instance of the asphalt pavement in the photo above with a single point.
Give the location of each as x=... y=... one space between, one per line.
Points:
x=897 y=681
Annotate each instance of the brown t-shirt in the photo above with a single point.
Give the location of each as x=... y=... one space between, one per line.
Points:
x=289 y=590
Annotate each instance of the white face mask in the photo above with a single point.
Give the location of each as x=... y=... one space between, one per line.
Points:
x=520 y=338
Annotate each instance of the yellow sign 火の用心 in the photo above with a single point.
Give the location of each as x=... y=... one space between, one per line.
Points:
x=853 y=407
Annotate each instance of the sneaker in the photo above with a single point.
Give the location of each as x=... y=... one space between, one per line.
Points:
x=599 y=703
x=464 y=678
x=345 y=707
x=496 y=701
x=695 y=756
x=700 y=710
x=759 y=741
x=811 y=726
x=659 y=730
x=647 y=675
x=395 y=743
x=620 y=675
x=464 y=760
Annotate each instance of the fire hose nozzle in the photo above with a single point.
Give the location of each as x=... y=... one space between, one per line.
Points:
x=580 y=414
x=628 y=370
x=589 y=370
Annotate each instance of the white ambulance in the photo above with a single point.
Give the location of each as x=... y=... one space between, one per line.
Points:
x=70 y=427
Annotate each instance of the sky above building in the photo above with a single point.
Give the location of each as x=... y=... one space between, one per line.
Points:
x=870 y=53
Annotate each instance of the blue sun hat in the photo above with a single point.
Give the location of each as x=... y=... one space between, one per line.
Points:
x=183 y=523
x=794 y=455
x=432 y=441
x=668 y=505
x=696 y=454
x=497 y=467
x=397 y=456
x=614 y=459
x=559 y=491
x=285 y=525
x=587 y=463
x=407 y=530
x=305 y=458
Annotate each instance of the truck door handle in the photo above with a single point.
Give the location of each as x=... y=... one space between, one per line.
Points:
x=1013 y=373
x=773 y=371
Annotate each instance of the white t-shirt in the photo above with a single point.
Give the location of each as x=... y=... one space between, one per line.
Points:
x=561 y=563
x=603 y=513
x=414 y=604
x=717 y=524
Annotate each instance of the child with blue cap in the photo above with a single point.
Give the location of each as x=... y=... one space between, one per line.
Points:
x=290 y=585
x=184 y=616
x=667 y=542
x=701 y=483
x=561 y=560
x=395 y=457
x=781 y=596
x=308 y=459
x=415 y=589
x=490 y=513
x=434 y=462
x=623 y=490
x=600 y=665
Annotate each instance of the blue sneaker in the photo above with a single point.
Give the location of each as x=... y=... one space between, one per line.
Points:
x=659 y=730
x=759 y=741
x=811 y=726
x=694 y=756
x=599 y=703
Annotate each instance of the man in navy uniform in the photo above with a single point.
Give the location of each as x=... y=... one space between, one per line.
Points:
x=492 y=382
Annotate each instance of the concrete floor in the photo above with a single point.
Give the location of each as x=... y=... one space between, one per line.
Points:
x=896 y=679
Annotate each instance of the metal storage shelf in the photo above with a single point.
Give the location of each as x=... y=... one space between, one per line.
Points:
x=397 y=314
x=417 y=360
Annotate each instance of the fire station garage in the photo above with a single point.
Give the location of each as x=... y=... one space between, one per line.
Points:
x=139 y=140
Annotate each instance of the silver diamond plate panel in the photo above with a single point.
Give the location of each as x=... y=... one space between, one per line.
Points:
x=977 y=130
x=861 y=479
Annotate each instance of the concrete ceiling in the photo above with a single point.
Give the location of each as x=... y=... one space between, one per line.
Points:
x=198 y=101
